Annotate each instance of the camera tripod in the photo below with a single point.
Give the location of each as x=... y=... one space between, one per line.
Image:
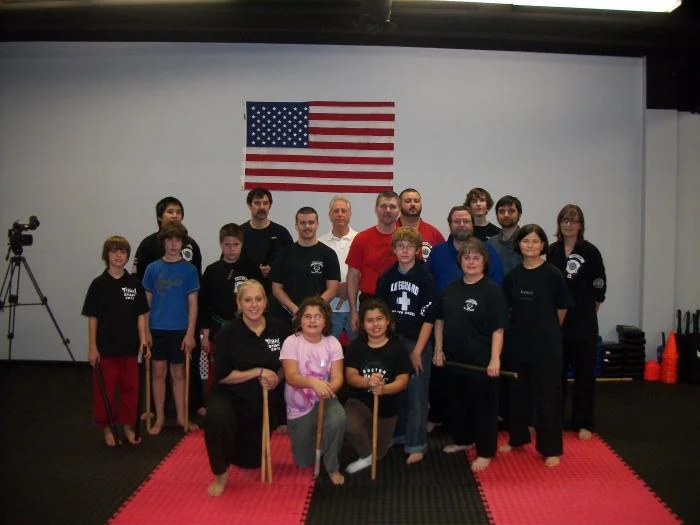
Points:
x=11 y=300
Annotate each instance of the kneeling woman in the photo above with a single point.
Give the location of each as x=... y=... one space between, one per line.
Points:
x=247 y=362
x=313 y=369
x=376 y=364
x=471 y=317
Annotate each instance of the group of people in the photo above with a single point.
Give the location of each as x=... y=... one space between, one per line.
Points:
x=406 y=303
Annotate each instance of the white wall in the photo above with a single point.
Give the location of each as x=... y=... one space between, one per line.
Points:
x=93 y=134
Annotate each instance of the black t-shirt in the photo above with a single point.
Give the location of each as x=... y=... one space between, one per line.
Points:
x=534 y=296
x=116 y=303
x=239 y=348
x=391 y=360
x=264 y=246
x=484 y=232
x=304 y=270
x=217 y=293
x=471 y=313
x=584 y=273
x=151 y=249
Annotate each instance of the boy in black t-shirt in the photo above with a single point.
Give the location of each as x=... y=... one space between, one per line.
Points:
x=116 y=308
x=408 y=289
x=219 y=286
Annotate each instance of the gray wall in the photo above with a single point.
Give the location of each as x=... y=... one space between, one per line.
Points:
x=93 y=134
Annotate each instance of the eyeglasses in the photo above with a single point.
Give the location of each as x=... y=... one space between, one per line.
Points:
x=570 y=221
x=312 y=317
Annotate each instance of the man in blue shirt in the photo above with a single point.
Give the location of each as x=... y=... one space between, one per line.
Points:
x=443 y=258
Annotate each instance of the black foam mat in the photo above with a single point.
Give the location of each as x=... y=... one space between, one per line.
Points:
x=439 y=489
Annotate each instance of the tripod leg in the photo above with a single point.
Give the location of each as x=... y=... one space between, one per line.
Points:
x=45 y=302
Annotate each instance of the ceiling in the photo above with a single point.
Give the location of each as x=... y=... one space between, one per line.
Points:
x=669 y=41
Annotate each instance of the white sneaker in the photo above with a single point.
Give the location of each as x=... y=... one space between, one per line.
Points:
x=359 y=464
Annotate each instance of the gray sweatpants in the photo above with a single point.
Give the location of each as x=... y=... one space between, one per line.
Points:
x=302 y=432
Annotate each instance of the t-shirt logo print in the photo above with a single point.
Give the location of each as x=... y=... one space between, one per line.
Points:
x=129 y=293
x=470 y=305
x=273 y=343
x=316 y=267
x=573 y=265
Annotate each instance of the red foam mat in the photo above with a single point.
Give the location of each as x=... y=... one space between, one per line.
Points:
x=592 y=485
x=176 y=491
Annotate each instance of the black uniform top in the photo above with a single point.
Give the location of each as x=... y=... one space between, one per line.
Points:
x=151 y=249
x=239 y=348
x=116 y=303
x=217 y=293
x=304 y=270
x=584 y=273
x=411 y=297
x=472 y=313
x=534 y=296
x=263 y=246
x=484 y=232
x=389 y=360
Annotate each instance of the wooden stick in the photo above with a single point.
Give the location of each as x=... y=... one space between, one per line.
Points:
x=375 y=424
x=266 y=453
x=475 y=368
x=186 y=415
x=148 y=393
x=139 y=372
x=319 y=437
x=263 y=441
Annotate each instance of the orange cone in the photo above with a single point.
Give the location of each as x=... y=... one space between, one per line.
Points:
x=652 y=371
x=669 y=361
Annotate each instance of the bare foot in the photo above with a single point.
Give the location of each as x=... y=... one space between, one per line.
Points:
x=585 y=434
x=191 y=427
x=414 y=457
x=157 y=427
x=505 y=447
x=145 y=415
x=110 y=441
x=218 y=485
x=130 y=435
x=480 y=464
x=451 y=449
x=282 y=429
x=337 y=478
x=551 y=461
x=430 y=426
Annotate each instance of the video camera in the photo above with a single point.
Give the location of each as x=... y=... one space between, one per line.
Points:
x=17 y=239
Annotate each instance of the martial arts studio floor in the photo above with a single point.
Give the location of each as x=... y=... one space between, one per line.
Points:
x=55 y=468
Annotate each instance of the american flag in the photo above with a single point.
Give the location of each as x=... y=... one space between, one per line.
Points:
x=322 y=146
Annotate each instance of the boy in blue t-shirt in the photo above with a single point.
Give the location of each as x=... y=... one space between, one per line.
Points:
x=171 y=285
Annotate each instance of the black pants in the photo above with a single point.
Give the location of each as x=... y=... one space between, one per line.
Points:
x=437 y=394
x=581 y=355
x=473 y=414
x=539 y=383
x=233 y=435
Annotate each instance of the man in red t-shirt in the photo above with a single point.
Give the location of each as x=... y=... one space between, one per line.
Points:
x=411 y=208
x=371 y=253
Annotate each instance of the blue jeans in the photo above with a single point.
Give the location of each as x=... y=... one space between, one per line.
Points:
x=341 y=321
x=413 y=403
